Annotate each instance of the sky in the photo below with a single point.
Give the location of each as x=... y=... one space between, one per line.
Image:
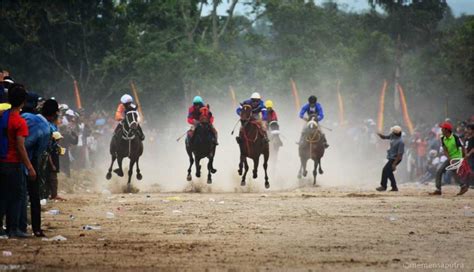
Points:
x=458 y=6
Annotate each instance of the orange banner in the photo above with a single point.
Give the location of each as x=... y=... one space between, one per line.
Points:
x=406 y=116
x=294 y=90
x=380 y=115
x=232 y=95
x=137 y=100
x=78 y=95
x=341 y=104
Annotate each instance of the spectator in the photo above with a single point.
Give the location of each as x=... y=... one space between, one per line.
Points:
x=394 y=156
x=12 y=183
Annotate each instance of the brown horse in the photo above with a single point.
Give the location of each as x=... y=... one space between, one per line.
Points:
x=312 y=147
x=252 y=144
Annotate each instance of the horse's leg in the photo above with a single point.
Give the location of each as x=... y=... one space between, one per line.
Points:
x=211 y=160
x=198 y=167
x=109 y=173
x=255 y=167
x=139 y=175
x=130 y=173
x=315 y=172
x=304 y=161
x=209 y=170
x=191 y=161
x=119 y=170
x=320 y=167
x=246 y=165
x=266 y=156
x=241 y=163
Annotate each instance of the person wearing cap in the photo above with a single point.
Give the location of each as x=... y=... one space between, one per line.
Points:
x=36 y=145
x=194 y=115
x=259 y=112
x=312 y=108
x=126 y=104
x=271 y=119
x=453 y=149
x=394 y=156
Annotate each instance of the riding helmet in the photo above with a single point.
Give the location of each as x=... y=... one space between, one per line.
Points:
x=312 y=99
x=268 y=104
x=126 y=98
x=198 y=100
x=255 y=96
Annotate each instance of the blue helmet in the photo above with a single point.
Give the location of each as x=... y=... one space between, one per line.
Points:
x=198 y=100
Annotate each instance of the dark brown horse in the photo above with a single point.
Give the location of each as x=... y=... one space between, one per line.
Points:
x=312 y=147
x=126 y=144
x=252 y=144
x=202 y=146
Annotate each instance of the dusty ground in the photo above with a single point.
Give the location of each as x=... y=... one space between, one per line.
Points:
x=330 y=229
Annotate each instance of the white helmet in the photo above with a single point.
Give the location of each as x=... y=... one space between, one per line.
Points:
x=63 y=107
x=255 y=96
x=126 y=98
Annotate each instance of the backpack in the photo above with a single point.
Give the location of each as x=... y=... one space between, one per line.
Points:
x=4 y=134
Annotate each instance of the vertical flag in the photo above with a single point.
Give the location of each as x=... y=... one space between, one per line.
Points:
x=295 y=95
x=232 y=95
x=341 y=104
x=380 y=115
x=77 y=95
x=137 y=100
x=406 y=116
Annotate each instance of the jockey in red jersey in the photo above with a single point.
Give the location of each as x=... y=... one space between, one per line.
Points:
x=197 y=111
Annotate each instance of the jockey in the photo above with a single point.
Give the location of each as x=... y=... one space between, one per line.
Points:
x=271 y=119
x=126 y=104
x=312 y=108
x=194 y=115
x=259 y=112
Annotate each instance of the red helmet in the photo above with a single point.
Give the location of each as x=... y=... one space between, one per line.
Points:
x=446 y=125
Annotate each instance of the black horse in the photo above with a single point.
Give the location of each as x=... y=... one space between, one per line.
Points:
x=311 y=147
x=252 y=144
x=201 y=145
x=127 y=144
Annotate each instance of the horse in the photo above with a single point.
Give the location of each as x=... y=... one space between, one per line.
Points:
x=311 y=147
x=252 y=144
x=201 y=146
x=126 y=145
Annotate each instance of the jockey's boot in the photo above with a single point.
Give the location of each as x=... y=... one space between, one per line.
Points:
x=325 y=142
x=141 y=135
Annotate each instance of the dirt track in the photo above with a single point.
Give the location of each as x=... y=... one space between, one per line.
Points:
x=323 y=229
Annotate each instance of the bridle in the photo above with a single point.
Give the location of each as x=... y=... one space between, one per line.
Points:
x=131 y=118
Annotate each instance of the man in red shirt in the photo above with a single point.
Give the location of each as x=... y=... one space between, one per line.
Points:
x=12 y=184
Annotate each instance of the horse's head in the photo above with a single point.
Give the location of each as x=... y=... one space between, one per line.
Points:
x=246 y=112
x=131 y=120
x=205 y=115
x=312 y=123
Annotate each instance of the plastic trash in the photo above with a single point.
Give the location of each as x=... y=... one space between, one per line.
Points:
x=89 y=227
x=392 y=218
x=165 y=201
x=468 y=213
x=212 y=200
x=106 y=192
x=53 y=212
x=71 y=217
x=110 y=215
x=6 y=253
x=177 y=211
x=58 y=238
x=221 y=202
x=174 y=198
x=43 y=202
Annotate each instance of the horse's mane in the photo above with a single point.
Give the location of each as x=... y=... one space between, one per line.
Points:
x=205 y=114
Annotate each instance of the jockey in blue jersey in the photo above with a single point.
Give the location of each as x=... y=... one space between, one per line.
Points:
x=310 y=109
x=259 y=112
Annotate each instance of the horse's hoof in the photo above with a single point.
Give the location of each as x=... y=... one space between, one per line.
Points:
x=139 y=176
x=255 y=175
x=240 y=172
x=267 y=184
x=209 y=181
x=305 y=173
x=189 y=178
x=108 y=176
x=129 y=188
x=119 y=172
x=321 y=171
x=242 y=183
x=198 y=175
x=213 y=171
x=299 y=176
